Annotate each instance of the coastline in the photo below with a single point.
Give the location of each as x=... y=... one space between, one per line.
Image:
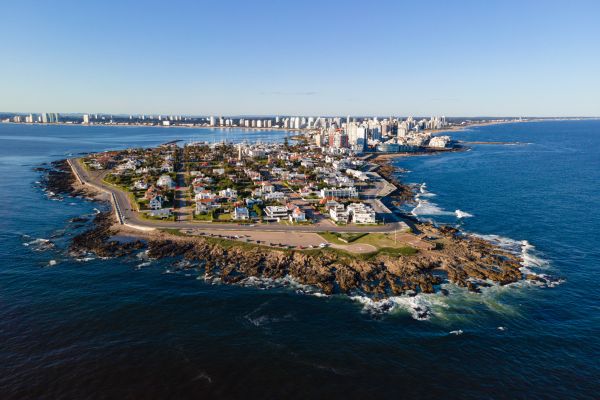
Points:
x=467 y=261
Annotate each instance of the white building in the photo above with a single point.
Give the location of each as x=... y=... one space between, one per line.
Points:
x=165 y=182
x=339 y=193
x=361 y=213
x=140 y=185
x=228 y=193
x=276 y=212
x=297 y=215
x=439 y=142
x=240 y=213
x=339 y=214
x=156 y=202
x=274 y=196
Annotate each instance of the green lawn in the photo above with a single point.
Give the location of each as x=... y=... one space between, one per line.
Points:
x=341 y=238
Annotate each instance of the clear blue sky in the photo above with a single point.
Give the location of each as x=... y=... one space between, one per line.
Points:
x=457 y=58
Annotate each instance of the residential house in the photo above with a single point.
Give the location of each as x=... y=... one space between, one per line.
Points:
x=165 y=182
x=339 y=214
x=156 y=202
x=228 y=193
x=297 y=215
x=240 y=213
x=361 y=213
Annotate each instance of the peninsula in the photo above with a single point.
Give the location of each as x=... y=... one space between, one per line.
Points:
x=313 y=209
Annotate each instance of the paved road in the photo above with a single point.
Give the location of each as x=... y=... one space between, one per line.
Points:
x=131 y=217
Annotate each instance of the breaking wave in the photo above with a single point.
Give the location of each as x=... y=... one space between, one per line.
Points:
x=40 y=244
x=462 y=214
x=532 y=263
x=428 y=208
x=421 y=307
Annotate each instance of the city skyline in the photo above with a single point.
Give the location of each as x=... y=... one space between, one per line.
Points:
x=333 y=58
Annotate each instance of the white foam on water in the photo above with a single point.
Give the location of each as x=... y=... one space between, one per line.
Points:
x=457 y=332
x=52 y=263
x=142 y=265
x=40 y=244
x=423 y=191
x=425 y=207
x=143 y=255
x=270 y=283
x=529 y=259
x=85 y=259
x=420 y=306
x=462 y=214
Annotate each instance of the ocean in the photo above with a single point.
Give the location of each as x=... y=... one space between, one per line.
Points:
x=137 y=328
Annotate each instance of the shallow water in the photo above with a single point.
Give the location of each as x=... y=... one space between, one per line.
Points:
x=125 y=328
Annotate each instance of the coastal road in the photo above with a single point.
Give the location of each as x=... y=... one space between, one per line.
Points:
x=131 y=217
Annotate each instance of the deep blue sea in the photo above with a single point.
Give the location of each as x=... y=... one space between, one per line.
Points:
x=124 y=328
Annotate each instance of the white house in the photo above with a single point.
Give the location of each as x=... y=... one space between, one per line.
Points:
x=205 y=205
x=166 y=167
x=140 y=185
x=165 y=182
x=297 y=215
x=240 y=213
x=161 y=213
x=228 y=193
x=156 y=202
x=339 y=214
x=361 y=213
x=205 y=194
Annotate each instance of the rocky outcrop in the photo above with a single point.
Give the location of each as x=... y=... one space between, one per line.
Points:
x=98 y=240
x=59 y=179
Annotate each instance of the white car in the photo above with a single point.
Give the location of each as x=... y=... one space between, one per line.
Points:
x=323 y=245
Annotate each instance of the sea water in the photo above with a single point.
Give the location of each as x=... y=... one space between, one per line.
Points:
x=124 y=328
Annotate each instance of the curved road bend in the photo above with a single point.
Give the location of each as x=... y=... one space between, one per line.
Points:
x=131 y=217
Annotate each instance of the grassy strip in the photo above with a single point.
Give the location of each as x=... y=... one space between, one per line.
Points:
x=341 y=238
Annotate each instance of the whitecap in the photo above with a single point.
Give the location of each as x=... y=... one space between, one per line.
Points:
x=87 y=258
x=456 y=332
x=462 y=214
x=419 y=306
x=425 y=207
x=142 y=265
x=40 y=244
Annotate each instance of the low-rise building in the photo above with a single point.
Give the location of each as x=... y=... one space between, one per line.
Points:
x=156 y=202
x=297 y=215
x=276 y=212
x=165 y=182
x=240 y=213
x=339 y=193
x=274 y=196
x=361 y=213
x=160 y=213
x=228 y=193
x=339 y=214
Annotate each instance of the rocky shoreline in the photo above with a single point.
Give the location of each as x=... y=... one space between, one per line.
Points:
x=466 y=261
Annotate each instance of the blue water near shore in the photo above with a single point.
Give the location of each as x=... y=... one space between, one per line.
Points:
x=124 y=328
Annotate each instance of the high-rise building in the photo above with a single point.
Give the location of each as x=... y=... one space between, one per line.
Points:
x=86 y=119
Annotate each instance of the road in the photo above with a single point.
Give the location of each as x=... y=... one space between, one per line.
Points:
x=131 y=217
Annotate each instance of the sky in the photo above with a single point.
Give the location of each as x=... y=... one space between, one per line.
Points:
x=453 y=58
